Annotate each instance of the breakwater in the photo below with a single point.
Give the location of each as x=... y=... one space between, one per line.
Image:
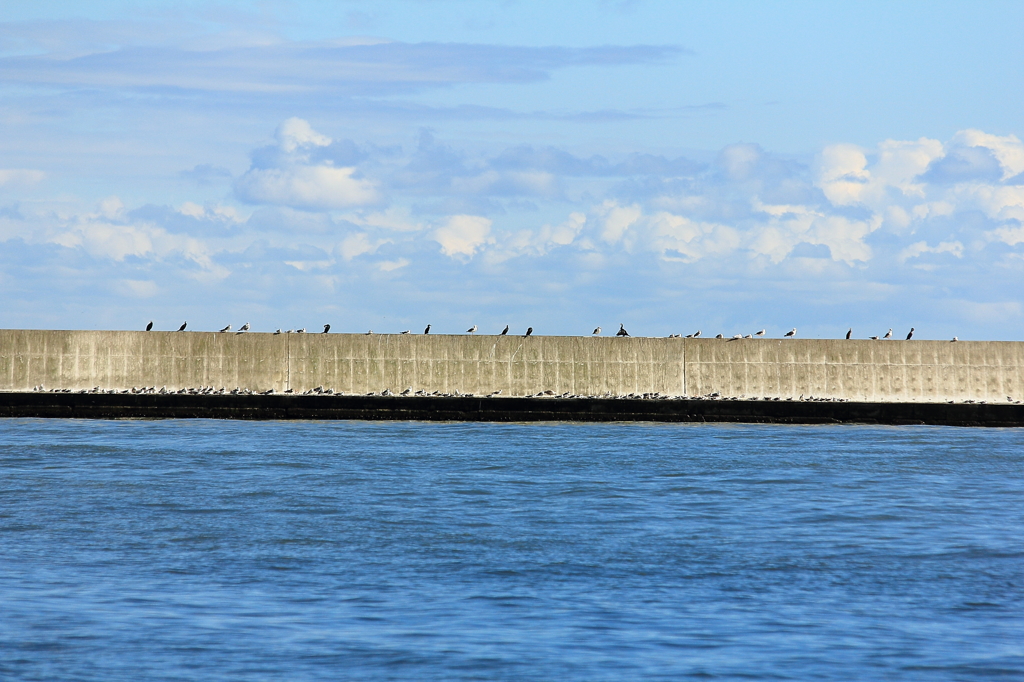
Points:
x=855 y=370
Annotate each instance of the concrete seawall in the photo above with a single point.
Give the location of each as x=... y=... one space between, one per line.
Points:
x=872 y=371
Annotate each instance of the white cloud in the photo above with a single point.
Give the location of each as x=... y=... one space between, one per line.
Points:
x=20 y=176
x=617 y=219
x=296 y=132
x=1007 y=149
x=291 y=179
x=359 y=243
x=918 y=248
x=462 y=235
x=307 y=187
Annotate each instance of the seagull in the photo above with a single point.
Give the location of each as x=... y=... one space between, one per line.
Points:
x=719 y=336
x=182 y=327
x=297 y=331
x=427 y=330
x=596 y=332
x=760 y=333
x=888 y=334
x=622 y=330
x=737 y=336
x=290 y=331
x=749 y=336
x=849 y=333
x=225 y=329
x=697 y=335
x=910 y=335
x=278 y=331
x=505 y=330
x=873 y=338
x=407 y=331
x=529 y=330
x=149 y=327
x=791 y=332
x=327 y=328
x=243 y=328
x=955 y=339
x=471 y=330
x=369 y=332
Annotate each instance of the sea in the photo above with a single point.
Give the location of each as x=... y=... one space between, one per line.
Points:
x=229 y=550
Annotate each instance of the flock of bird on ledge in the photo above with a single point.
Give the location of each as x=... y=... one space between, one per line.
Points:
x=529 y=332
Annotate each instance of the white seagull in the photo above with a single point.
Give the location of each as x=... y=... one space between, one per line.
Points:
x=297 y=331
x=226 y=329
x=244 y=327
x=471 y=330
x=597 y=331
x=697 y=334
x=760 y=333
x=888 y=334
x=791 y=332
x=407 y=331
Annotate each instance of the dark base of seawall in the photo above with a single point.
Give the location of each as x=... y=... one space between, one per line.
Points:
x=497 y=409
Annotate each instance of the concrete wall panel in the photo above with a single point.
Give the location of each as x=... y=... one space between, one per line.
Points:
x=929 y=371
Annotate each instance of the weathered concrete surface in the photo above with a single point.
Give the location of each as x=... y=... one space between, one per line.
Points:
x=885 y=371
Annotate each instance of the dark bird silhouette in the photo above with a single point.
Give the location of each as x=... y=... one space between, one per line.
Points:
x=327 y=328
x=505 y=330
x=182 y=327
x=911 y=334
x=427 y=330
x=849 y=333
x=622 y=330
x=149 y=327
x=529 y=330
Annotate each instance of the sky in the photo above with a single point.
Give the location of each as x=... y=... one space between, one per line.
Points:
x=670 y=166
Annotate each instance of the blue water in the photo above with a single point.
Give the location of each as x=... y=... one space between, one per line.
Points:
x=217 y=550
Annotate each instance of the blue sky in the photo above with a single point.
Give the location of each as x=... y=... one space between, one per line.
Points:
x=672 y=166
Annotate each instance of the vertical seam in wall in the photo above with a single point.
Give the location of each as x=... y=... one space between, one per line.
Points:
x=288 y=363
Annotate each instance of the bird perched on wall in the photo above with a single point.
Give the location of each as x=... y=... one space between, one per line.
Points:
x=849 y=333
x=873 y=338
x=910 y=335
x=244 y=327
x=182 y=327
x=427 y=330
x=472 y=330
x=297 y=331
x=596 y=332
x=791 y=332
x=760 y=333
x=749 y=336
x=278 y=331
x=622 y=330
x=407 y=331
x=226 y=329
x=529 y=330
x=327 y=328
x=369 y=332
x=149 y=327
x=888 y=334
x=955 y=339
x=719 y=336
x=505 y=330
